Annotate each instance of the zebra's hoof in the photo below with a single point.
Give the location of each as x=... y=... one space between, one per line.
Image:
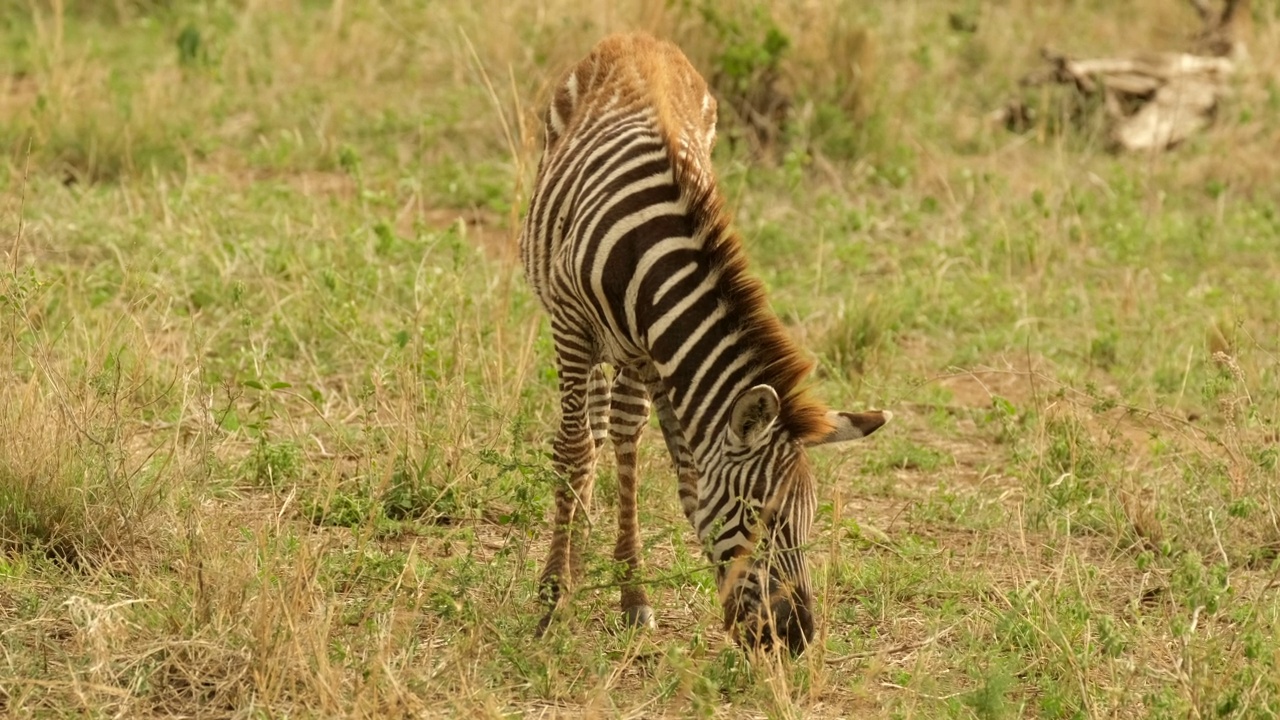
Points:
x=543 y=624
x=639 y=616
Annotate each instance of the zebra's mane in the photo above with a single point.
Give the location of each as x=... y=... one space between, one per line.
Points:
x=783 y=364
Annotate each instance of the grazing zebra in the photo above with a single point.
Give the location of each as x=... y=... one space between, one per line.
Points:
x=629 y=249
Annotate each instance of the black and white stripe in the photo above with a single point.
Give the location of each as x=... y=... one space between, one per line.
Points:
x=618 y=248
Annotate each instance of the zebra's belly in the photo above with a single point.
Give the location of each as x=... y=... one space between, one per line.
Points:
x=621 y=352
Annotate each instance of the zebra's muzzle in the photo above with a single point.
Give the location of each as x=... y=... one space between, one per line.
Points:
x=786 y=621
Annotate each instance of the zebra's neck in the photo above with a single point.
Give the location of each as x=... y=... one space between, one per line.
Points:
x=702 y=345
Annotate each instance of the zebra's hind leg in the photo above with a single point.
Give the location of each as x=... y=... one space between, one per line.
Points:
x=574 y=458
x=628 y=414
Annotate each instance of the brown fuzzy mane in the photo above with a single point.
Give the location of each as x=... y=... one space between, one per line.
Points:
x=781 y=361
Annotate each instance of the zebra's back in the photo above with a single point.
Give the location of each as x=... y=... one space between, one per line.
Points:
x=629 y=136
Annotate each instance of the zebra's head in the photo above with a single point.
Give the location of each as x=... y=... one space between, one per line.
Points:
x=758 y=514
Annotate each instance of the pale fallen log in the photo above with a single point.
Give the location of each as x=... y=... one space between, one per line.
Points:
x=1153 y=101
x=1181 y=107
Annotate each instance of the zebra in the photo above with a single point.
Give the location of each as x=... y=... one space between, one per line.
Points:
x=629 y=249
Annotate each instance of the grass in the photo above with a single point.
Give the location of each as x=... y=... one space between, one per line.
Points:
x=275 y=401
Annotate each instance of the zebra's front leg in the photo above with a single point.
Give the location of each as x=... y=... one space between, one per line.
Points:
x=627 y=417
x=574 y=456
x=598 y=416
x=681 y=456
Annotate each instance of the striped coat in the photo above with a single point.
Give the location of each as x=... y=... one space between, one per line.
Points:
x=630 y=250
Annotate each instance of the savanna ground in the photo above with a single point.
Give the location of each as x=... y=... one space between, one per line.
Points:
x=275 y=401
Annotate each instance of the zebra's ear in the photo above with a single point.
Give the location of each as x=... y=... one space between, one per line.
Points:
x=753 y=414
x=853 y=426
